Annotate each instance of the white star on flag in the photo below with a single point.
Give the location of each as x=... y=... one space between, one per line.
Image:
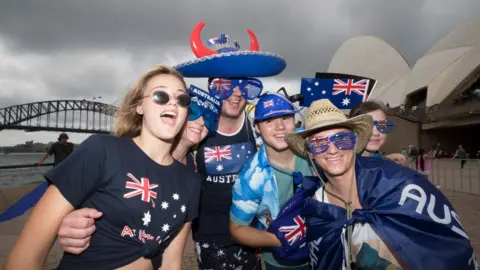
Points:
x=219 y=168
x=183 y=208
x=175 y=216
x=165 y=227
x=316 y=83
x=164 y=205
x=176 y=196
x=345 y=102
x=220 y=253
x=205 y=245
x=146 y=218
x=324 y=92
x=243 y=147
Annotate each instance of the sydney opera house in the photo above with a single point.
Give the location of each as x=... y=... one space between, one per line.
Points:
x=436 y=100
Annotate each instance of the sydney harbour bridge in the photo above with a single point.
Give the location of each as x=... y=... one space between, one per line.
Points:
x=82 y=116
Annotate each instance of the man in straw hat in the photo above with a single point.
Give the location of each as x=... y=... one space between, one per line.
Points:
x=371 y=213
x=267 y=181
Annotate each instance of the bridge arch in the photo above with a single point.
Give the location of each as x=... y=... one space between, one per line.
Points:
x=90 y=114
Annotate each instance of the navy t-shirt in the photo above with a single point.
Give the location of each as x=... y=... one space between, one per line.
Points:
x=219 y=159
x=144 y=204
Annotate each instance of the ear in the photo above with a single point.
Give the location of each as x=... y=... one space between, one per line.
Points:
x=139 y=108
x=257 y=129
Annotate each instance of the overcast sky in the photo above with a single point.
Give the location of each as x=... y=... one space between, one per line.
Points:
x=71 y=49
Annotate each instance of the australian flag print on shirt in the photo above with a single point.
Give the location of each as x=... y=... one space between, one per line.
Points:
x=227 y=159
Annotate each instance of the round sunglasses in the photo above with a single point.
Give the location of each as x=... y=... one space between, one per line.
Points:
x=341 y=140
x=161 y=98
x=223 y=88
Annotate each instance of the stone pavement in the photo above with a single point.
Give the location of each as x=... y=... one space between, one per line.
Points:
x=466 y=205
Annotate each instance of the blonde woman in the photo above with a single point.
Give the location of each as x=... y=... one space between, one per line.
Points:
x=147 y=199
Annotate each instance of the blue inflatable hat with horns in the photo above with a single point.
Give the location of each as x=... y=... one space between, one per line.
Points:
x=222 y=58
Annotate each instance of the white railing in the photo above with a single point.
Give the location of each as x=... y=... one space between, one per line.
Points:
x=448 y=174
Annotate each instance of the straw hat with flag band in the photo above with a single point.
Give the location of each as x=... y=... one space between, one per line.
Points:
x=322 y=114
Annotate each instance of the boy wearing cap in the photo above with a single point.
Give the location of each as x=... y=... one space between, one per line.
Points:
x=364 y=213
x=266 y=182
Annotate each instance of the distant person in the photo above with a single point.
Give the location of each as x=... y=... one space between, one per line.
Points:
x=60 y=150
x=423 y=163
x=462 y=155
x=413 y=153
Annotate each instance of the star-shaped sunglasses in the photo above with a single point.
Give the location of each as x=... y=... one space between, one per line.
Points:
x=341 y=140
x=384 y=126
x=161 y=98
x=222 y=88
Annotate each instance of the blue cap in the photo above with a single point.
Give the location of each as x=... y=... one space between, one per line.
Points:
x=272 y=105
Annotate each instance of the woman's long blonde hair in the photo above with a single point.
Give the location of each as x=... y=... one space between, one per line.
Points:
x=128 y=122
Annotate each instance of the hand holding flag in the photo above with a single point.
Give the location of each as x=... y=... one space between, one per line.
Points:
x=291 y=230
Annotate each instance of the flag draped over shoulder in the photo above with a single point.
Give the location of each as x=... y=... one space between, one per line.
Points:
x=410 y=215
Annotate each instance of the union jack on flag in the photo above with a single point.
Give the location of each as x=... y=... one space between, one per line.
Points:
x=217 y=153
x=220 y=84
x=268 y=103
x=142 y=187
x=227 y=159
x=348 y=86
x=295 y=232
x=343 y=90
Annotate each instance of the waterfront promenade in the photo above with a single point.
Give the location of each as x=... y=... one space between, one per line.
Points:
x=467 y=206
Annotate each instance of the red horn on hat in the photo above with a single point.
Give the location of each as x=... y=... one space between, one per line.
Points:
x=253 y=41
x=198 y=48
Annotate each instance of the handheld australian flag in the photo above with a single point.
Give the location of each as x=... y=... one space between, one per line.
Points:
x=225 y=159
x=343 y=90
x=291 y=230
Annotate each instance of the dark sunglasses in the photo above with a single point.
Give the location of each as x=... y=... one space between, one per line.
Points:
x=384 y=126
x=341 y=140
x=222 y=88
x=162 y=98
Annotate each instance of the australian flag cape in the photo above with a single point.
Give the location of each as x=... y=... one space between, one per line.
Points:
x=410 y=215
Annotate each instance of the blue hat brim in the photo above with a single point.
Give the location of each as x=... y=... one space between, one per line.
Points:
x=275 y=114
x=234 y=65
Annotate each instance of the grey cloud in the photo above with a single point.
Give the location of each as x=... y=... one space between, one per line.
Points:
x=79 y=49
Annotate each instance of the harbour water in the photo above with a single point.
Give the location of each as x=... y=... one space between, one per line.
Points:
x=22 y=176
